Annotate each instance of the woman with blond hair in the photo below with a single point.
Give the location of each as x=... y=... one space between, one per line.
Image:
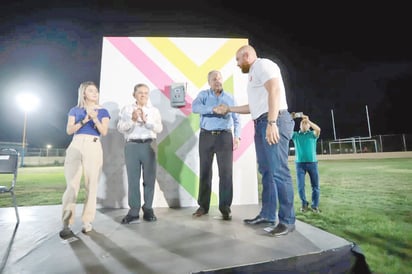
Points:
x=84 y=156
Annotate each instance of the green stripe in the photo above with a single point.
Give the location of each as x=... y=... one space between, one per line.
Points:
x=174 y=165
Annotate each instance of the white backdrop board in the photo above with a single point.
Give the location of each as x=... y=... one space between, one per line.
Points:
x=160 y=62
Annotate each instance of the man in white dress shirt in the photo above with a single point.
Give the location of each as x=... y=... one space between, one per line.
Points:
x=140 y=123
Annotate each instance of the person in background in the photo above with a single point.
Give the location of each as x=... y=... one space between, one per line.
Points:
x=274 y=125
x=216 y=138
x=306 y=162
x=140 y=122
x=84 y=156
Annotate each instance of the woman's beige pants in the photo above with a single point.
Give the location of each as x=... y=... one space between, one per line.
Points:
x=84 y=156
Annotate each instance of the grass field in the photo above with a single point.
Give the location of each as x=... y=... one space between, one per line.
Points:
x=366 y=201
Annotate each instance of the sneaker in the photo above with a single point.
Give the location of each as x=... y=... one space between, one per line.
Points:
x=281 y=229
x=129 y=219
x=87 y=227
x=315 y=210
x=258 y=220
x=66 y=232
x=269 y=229
x=305 y=207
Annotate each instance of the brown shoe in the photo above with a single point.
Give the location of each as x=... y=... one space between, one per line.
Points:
x=199 y=212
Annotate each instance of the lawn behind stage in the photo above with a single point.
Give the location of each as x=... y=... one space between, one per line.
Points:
x=365 y=201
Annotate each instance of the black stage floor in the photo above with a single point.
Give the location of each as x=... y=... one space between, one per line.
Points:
x=176 y=243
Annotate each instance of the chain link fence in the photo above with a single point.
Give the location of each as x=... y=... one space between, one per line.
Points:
x=377 y=143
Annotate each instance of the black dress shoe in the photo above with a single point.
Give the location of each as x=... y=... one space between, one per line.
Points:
x=149 y=218
x=129 y=219
x=258 y=220
x=227 y=216
x=148 y=215
x=226 y=213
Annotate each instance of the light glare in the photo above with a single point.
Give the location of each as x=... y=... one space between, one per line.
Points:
x=27 y=101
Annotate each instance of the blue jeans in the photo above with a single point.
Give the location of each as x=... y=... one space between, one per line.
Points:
x=312 y=169
x=272 y=161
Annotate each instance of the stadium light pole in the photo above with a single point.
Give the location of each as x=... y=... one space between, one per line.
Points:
x=333 y=124
x=367 y=118
x=23 y=142
x=27 y=103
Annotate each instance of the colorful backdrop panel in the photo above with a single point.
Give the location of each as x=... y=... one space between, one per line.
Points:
x=160 y=62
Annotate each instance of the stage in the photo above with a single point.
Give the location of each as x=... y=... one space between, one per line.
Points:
x=176 y=243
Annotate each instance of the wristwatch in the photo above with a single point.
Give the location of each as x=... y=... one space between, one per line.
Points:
x=270 y=122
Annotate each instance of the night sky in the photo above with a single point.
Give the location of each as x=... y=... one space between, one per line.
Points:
x=333 y=56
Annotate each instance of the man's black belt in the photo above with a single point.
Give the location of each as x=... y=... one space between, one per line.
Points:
x=141 y=141
x=215 y=132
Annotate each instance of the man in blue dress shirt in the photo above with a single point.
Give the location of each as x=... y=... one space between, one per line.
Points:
x=216 y=138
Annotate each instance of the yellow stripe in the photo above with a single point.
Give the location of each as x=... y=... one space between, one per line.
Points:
x=197 y=74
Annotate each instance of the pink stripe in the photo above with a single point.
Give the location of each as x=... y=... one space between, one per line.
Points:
x=247 y=137
x=149 y=68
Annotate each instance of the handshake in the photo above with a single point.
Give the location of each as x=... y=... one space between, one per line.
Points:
x=221 y=109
